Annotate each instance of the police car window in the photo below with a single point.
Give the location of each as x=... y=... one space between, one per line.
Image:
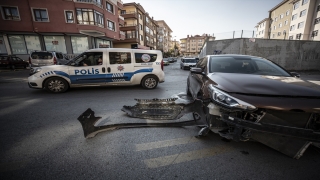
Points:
x=145 y=57
x=89 y=59
x=120 y=57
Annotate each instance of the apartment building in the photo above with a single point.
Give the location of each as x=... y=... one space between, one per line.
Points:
x=304 y=20
x=68 y=26
x=164 y=36
x=191 y=46
x=139 y=29
x=263 y=28
x=315 y=24
x=280 y=17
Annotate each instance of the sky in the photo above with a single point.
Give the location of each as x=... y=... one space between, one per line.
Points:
x=218 y=17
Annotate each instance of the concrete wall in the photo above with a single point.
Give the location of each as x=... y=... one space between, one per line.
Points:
x=292 y=55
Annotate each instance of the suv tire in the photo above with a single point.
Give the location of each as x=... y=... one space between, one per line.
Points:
x=56 y=85
x=149 y=82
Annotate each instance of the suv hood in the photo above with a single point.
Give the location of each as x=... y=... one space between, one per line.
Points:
x=264 y=85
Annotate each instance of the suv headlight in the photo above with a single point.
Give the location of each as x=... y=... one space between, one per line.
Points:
x=227 y=100
x=34 y=71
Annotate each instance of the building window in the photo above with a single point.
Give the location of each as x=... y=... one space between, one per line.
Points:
x=286 y=22
x=140 y=26
x=262 y=32
x=18 y=45
x=274 y=27
x=130 y=34
x=290 y=37
x=294 y=17
x=69 y=17
x=33 y=43
x=292 y=27
x=305 y=2
x=55 y=43
x=141 y=37
x=302 y=13
x=281 y=16
x=109 y=7
x=298 y=36
x=284 y=32
x=111 y=25
x=280 y=25
x=40 y=15
x=90 y=17
x=296 y=5
x=147 y=19
x=288 y=13
x=123 y=12
x=318 y=8
x=314 y=33
x=10 y=13
x=317 y=21
x=79 y=44
x=279 y=33
x=276 y=19
x=140 y=16
x=101 y=43
x=300 y=25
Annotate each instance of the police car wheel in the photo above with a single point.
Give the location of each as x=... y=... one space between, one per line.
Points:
x=56 y=85
x=149 y=82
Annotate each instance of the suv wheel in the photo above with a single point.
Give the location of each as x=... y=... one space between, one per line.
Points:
x=149 y=82
x=56 y=85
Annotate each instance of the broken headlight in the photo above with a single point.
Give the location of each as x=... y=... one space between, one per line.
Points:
x=226 y=100
x=34 y=70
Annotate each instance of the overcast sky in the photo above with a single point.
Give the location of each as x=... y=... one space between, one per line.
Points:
x=221 y=17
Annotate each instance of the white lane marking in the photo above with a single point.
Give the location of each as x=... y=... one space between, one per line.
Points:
x=166 y=143
x=315 y=82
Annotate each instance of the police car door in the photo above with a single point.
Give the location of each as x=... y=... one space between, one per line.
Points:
x=88 y=70
x=120 y=66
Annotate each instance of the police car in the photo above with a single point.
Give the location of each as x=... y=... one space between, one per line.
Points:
x=103 y=66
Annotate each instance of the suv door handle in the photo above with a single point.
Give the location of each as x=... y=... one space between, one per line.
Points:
x=103 y=69
x=109 y=70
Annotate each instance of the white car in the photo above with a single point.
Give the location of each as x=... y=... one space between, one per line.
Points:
x=187 y=63
x=117 y=66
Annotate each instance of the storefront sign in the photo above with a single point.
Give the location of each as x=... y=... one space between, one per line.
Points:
x=55 y=42
x=103 y=45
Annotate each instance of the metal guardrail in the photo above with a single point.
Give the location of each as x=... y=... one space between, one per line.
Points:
x=95 y=2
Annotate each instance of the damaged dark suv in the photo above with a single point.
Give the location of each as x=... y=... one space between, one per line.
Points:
x=248 y=97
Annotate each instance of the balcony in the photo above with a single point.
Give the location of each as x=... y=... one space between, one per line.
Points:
x=95 y=2
x=150 y=44
x=127 y=40
x=130 y=14
x=129 y=27
x=120 y=4
x=122 y=35
x=121 y=20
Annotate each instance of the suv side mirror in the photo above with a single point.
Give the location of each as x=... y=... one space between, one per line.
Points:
x=295 y=74
x=72 y=64
x=197 y=71
x=182 y=60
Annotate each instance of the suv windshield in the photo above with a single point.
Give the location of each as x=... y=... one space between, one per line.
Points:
x=41 y=55
x=245 y=65
x=190 y=60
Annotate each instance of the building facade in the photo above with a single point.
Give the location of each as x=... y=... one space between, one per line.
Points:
x=164 y=36
x=192 y=45
x=280 y=17
x=263 y=28
x=139 y=29
x=303 y=22
x=67 y=26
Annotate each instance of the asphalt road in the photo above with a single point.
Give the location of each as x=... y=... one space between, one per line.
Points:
x=41 y=138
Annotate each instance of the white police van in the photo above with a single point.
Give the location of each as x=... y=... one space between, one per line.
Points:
x=119 y=66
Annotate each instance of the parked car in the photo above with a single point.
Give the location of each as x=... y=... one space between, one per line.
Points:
x=12 y=62
x=187 y=63
x=170 y=59
x=46 y=58
x=119 y=66
x=252 y=98
x=166 y=61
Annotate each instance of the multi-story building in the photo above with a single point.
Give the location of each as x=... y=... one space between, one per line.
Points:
x=315 y=24
x=191 y=46
x=280 y=17
x=68 y=26
x=263 y=28
x=303 y=21
x=164 y=36
x=139 y=29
